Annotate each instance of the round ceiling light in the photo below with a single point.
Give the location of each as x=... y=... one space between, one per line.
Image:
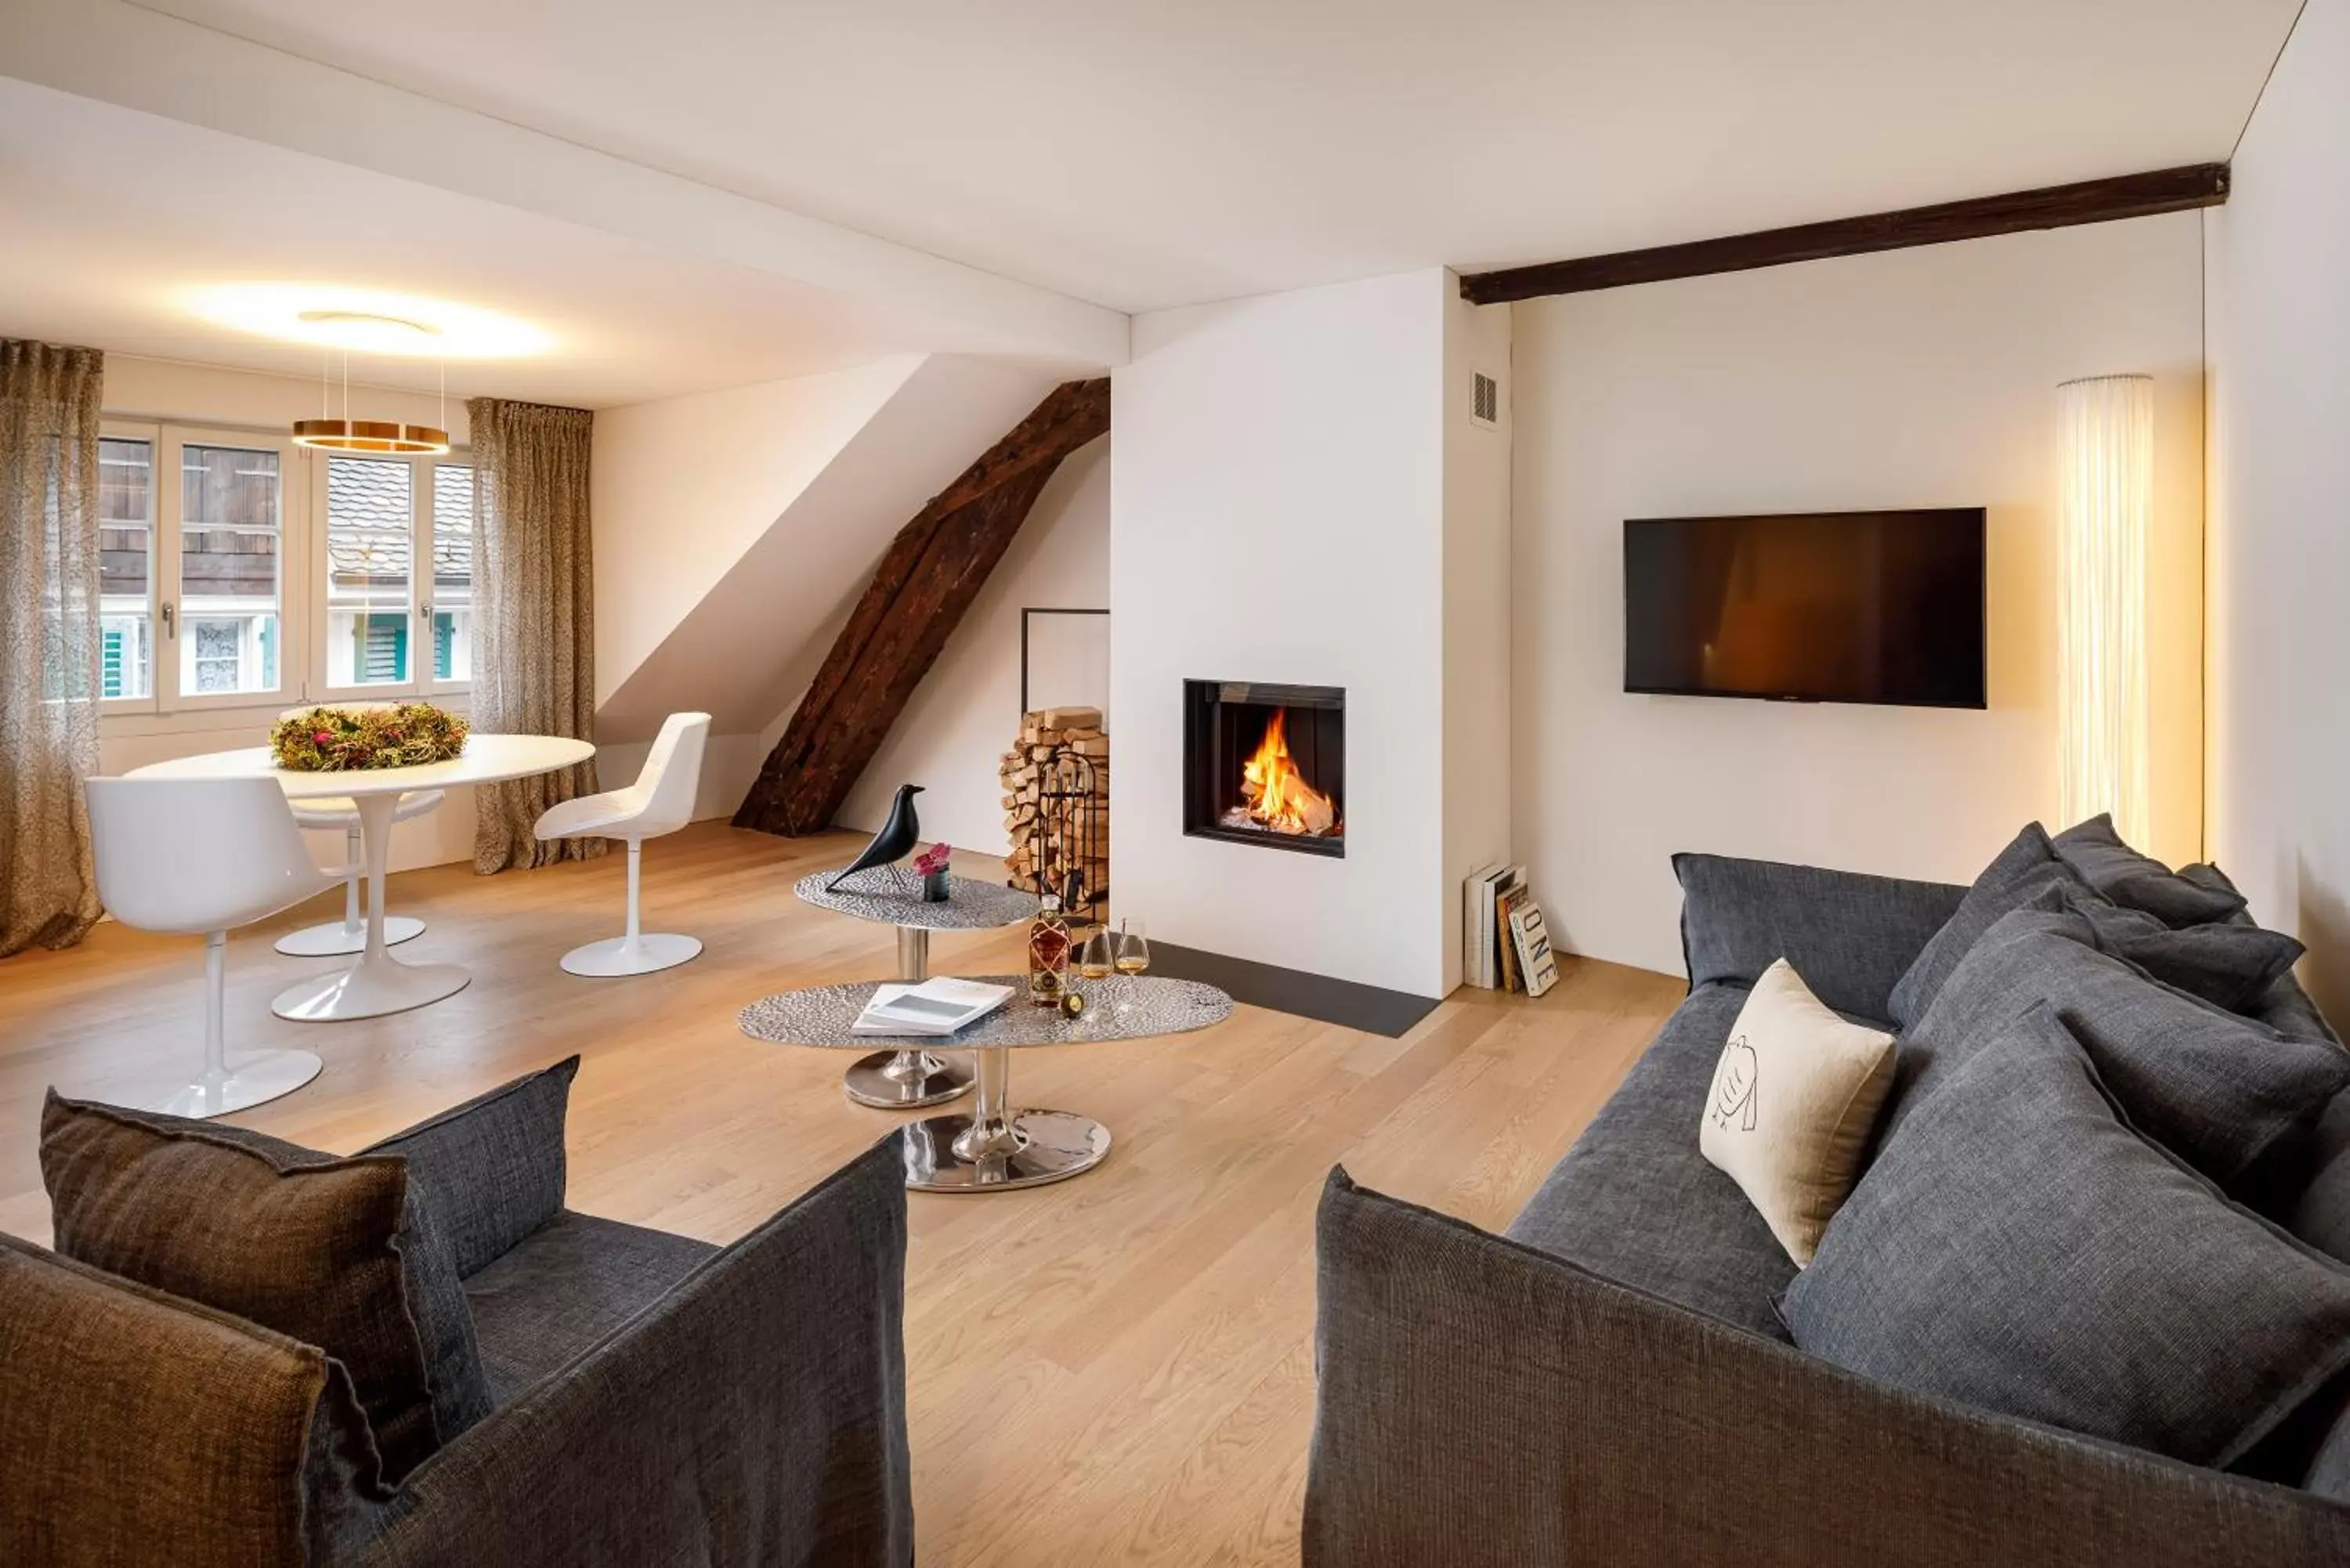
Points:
x=366 y=321
x=369 y=435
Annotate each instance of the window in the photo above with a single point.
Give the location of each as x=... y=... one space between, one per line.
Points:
x=396 y=575
x=126 y=562
x=371 y=521
x=452 y=572
x=238 y=570
x=231 y=523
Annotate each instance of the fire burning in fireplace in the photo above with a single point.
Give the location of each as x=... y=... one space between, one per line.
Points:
x=1275 y=795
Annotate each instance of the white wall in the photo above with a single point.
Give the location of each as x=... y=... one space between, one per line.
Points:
x=966 y=711
x=731 y=569
x=1477 y=719
x=1276 y=514
x=2279 y=557
x=1919 y=378
x=682 y=486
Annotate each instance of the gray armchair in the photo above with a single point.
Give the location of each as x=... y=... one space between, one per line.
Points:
x=655 y=1399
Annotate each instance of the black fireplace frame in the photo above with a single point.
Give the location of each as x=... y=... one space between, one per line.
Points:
x=1203 y=759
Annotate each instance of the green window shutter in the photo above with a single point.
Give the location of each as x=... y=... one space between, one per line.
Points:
x=383 y=648
x=444 y=644
x=111 y=678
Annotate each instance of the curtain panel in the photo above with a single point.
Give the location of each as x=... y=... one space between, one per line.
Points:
x=534 y=616
x=49 y=640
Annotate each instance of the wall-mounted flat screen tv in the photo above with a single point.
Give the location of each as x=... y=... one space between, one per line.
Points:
x=1808 y=607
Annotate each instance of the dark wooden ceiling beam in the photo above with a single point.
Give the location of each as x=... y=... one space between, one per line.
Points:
x=2055 y=207
x=928 y=577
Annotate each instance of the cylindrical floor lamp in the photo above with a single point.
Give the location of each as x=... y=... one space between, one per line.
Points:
x=2105 y=426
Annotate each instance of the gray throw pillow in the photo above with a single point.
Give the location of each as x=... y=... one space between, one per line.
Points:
x=2018 y=1247
x=492 y=1170
x=1741 y=916
x=2140 y=881
x=327 y=1252
x=2017 y=878
x=2287 y=1007
x=2227 y=1094
x=2227 y=965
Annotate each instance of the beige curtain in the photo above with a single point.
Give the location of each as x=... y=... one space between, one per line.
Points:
x=533 y=616
x=48 y=641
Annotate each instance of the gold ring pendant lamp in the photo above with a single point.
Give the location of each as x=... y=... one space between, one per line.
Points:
x=349 y=434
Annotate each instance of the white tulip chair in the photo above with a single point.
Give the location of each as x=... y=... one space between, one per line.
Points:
x=348 y=935
x=660 y=802
x=201 y=856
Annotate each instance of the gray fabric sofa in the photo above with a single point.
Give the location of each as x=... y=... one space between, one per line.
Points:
x=654 y=1399
x=1609 y=1381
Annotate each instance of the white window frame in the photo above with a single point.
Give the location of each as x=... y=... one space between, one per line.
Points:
x=420 y=682
x=293 y=528
x=166 y=603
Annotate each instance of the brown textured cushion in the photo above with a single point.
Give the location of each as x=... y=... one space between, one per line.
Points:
x=138 y=1427
x=311 y=1250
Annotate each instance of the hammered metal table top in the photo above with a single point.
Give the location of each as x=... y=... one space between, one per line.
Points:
x=892 y=895
x=1122 y=1007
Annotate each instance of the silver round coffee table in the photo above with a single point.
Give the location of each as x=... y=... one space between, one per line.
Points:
x=905 y=1080
x=997 y=1146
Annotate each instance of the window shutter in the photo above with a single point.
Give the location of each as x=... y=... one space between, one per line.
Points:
x=112 y=677
x=384 y=650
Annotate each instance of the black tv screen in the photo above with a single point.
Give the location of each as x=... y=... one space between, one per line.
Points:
x=1816 y=606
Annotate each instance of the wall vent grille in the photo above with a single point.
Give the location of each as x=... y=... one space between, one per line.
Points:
x=1485 y=400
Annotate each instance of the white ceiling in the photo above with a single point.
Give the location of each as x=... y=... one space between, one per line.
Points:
x=112 y=216
x=1141 y=155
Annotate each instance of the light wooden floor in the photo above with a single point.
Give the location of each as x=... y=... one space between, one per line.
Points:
x=1115 y=1369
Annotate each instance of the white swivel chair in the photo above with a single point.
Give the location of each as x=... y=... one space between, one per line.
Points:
x=348 y=935
x=659 y=802
x=203 y=856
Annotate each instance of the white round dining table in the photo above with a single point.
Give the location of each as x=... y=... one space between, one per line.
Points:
x=376 y=983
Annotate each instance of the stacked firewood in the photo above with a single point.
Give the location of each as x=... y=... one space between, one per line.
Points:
x=1051 y=837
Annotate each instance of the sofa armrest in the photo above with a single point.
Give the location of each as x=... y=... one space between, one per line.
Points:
x=1851 y=936
x=1482 y=1404
x=756 y=1414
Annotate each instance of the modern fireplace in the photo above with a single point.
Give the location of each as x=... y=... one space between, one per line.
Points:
x=1265 y=764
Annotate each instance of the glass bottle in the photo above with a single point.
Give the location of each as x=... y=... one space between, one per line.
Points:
x=1048 y=954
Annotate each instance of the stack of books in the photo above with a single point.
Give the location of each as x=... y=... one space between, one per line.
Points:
x=938 y=1006
x=1505 y=945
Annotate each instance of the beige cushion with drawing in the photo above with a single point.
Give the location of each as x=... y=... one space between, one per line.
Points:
x=1794 y=1098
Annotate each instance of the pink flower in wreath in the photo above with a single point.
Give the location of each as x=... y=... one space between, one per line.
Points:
x=322 y=739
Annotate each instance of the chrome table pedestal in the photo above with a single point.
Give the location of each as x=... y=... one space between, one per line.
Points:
x=995 y=1145
x=906 y=1080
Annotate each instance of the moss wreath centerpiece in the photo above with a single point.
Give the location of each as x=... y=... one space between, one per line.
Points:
x=342 y=740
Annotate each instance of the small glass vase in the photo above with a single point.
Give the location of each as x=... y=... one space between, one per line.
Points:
x=935 y=889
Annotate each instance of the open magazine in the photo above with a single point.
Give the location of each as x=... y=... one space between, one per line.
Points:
x=937 y=1006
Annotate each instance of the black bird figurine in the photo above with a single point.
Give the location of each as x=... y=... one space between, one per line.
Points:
x=896 y=837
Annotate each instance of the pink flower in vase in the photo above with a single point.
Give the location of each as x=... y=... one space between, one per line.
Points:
x=933 y=860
